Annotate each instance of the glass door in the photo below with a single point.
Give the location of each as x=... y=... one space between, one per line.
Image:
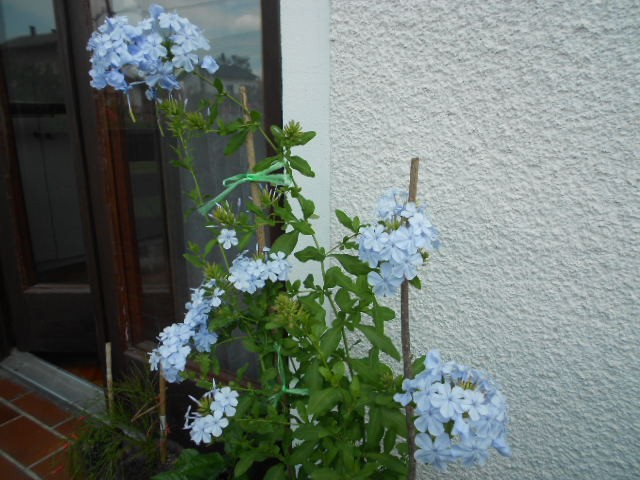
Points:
x=41 y=164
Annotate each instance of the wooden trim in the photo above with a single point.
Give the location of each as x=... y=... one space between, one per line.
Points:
x=272 y=63
x=109 y=274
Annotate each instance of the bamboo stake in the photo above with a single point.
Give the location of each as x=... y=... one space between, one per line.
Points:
x=406 y=336
x=107 y=354
x=251 y=160
x=163 y=417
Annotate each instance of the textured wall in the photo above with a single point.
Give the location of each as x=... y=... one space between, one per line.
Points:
x=526 y=115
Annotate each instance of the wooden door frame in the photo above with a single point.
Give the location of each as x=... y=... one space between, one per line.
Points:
x=106 y=213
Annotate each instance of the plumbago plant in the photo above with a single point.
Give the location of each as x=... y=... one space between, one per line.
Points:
x=318 y=410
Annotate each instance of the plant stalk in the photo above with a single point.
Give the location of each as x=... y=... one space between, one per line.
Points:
x=406 y=335
x=261 y=236
x=163 y=417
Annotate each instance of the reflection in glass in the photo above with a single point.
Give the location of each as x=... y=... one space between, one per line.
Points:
x=32 y=73
x=233 y=28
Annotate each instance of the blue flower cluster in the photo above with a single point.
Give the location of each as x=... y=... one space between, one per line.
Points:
x=177 y=340
x=155 y=52
x=249 y=274
x=397 y=243
x=211 y=415
x=460 y=414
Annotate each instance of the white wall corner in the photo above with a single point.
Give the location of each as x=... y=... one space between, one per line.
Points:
x=305 y=98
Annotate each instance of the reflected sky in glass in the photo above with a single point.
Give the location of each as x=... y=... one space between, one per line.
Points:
x=16 y=16
x=232 y=26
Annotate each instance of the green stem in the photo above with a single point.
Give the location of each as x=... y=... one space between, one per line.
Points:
x=224 y=257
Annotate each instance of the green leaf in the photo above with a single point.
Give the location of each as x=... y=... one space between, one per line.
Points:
x=380 y=340
x=193 y=260
x=192 y=465
x=307 y=431
x=325 y=474
x=390 y=462
x=344 y=300
x=243 y=465
x=352 y=264
x=284 y=213
x=308 y=207
x=244 y=241
x=415 y=282
x=276 y=472
x=394 y=419
x=344 y=219
x=236 y=141
x=310 y=253
x=301 y=165
x=301 y=453
x=277 y=133
x=339 y=370
x=308 y=281
x=306 y=137
x=286 y=242
x=390 y=440
x=303 y=227
x=330 y=341
x=375 y=430
x=210 y=244
x=321 y=401
x=217 y=83
x=256 y=116
x=312 y=377
x=383 y=314
x=335 y=276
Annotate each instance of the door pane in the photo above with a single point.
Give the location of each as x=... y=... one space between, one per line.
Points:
x=33 y=75
x=158 y=190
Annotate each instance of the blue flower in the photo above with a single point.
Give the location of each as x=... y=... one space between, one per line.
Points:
x=436 y=453
x=225 y=400
x=249 y=275
x=459 y=412
x=227 y=238
x=177 y=340
x=385 y=283
x=209 y=64
x=400 y=239
x=447 y=399
x=155 y=52
x=205 y=426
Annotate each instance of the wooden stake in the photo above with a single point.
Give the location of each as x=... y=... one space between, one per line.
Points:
x=406 y=335
x=107 y=354
x=163 y=416
x=251 y=160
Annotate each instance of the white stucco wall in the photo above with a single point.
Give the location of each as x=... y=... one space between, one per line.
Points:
x=526 y=116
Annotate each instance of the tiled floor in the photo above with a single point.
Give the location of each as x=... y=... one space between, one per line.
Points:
x=34 y=434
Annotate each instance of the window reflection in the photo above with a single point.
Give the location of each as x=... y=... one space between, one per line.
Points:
x=32 y=73
x=233 y=29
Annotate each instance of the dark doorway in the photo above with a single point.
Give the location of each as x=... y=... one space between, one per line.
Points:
x=43 y=205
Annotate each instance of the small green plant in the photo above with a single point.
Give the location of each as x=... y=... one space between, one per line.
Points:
x=192 y=465
x=122 y=443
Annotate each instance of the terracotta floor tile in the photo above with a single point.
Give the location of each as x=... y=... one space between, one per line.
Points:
x=7 y=413
x=10 y=390
x=10 y=472
x=55 y=467
x=27 y=441
x=42 y=408
x=69 y=427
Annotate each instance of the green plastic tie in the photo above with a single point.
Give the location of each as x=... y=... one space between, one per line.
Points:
x=263 y=176
x=303 y=392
